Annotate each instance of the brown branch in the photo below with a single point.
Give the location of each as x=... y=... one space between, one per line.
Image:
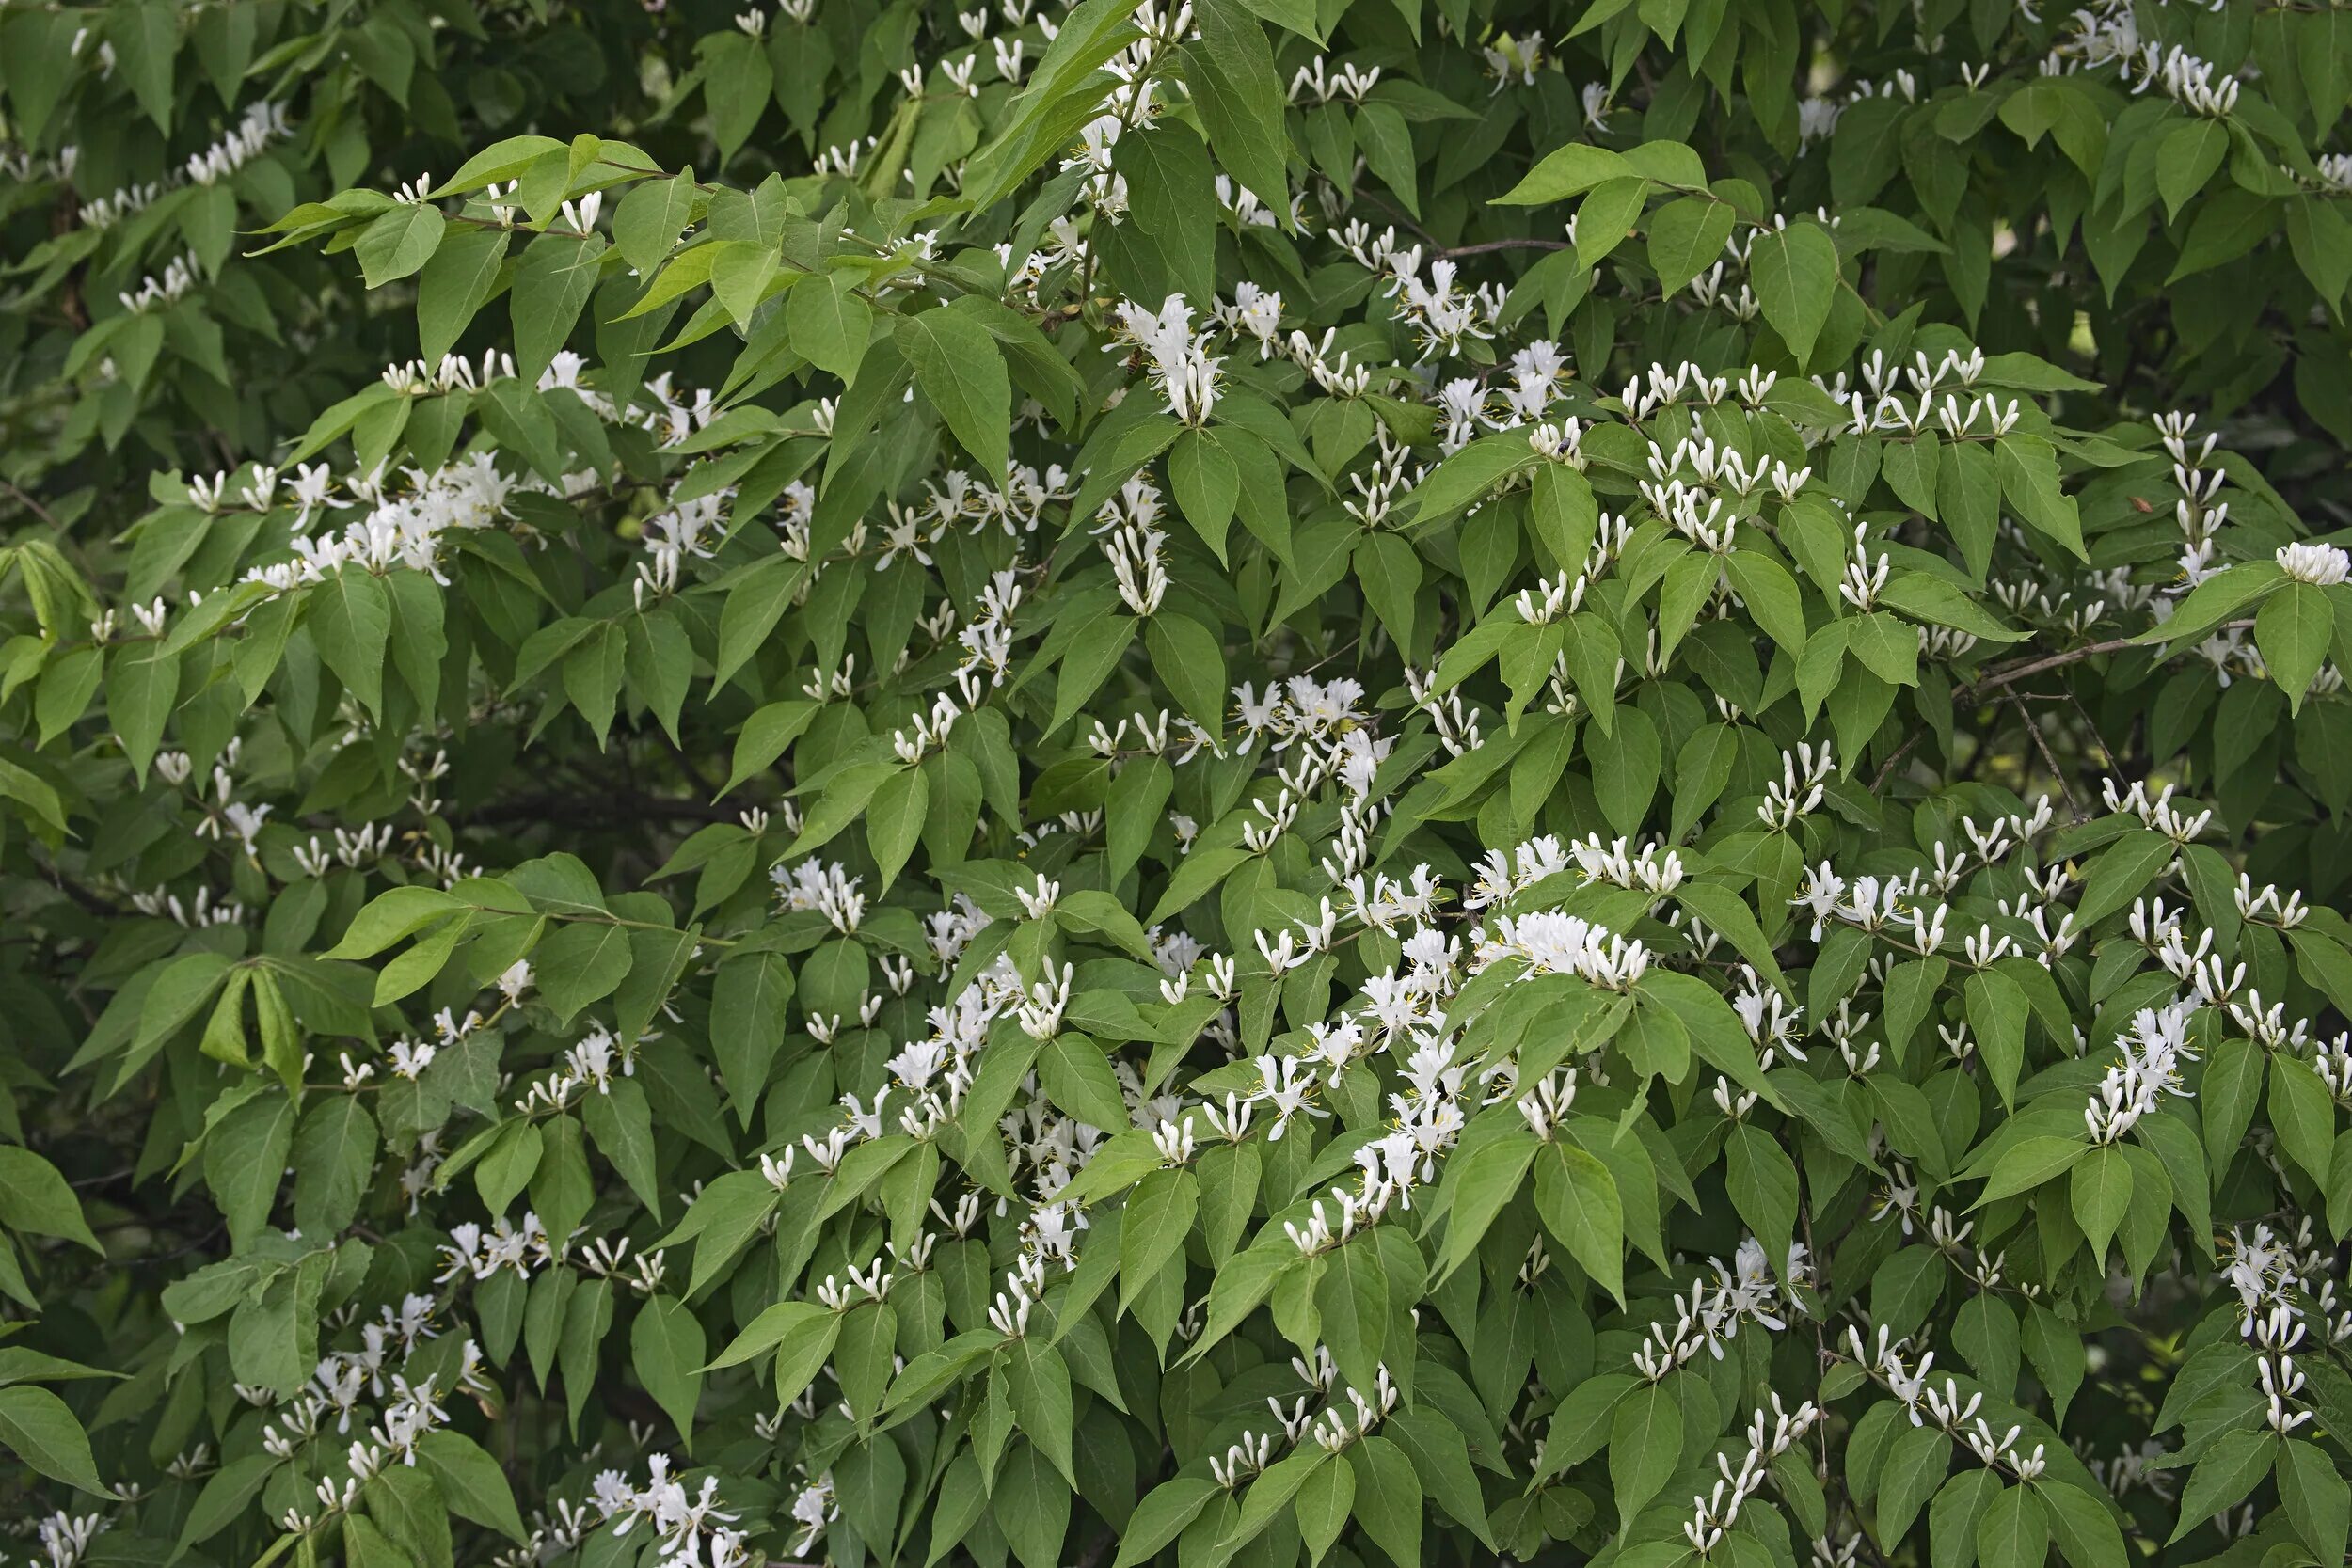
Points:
x=601 y=806
x=1486 y=246
x=2048 y=759
x=31 y=505
x=1900 y=751
x=1991 y=680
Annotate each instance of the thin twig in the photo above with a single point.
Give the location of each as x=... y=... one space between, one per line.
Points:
x=1991 y=680
x=1900 y=751
x=1486 y=246
x=2048 y=760
x=35 y=507
x=2106 y=752
x=606 y=805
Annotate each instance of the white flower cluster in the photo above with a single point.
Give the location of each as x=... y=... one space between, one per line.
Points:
x=1443 y=314
x=474 y=1252
x=262 y=123
x=825 y=886
x=1714 y=1514
x=2323 y=565
x=2155 y=1049
x=688 y=1526
x=1550 y=943
x=398 y=531
x=1707 y=1319
x=346 y=1381
x=1177 y=358
x=155 y=292
x=1128 y=525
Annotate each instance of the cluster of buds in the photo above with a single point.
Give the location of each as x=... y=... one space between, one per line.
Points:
x=1714 y=1513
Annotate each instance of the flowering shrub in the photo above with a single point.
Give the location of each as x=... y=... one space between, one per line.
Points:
x=1175 y=784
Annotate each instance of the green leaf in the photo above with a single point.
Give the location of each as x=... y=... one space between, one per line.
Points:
x=551 y=288
x=472 y=1480
x=245 y=1160
x=828 y=324
x=1323 y=1505
x=2304 y=1114
x=582 y=962
x=2294 y=629
x=650 y=218
x=1078 y=1079
x=1230 y=70
x=562 y=1188
x=225 y=1495
x=1795 y=273
x=1032 y=1504
x=407 y=1505
x=350 y=619
x=1159 y=1215
x=1772 y=596
x=667 y=1349
x=1162 y=1516
x=2028 y=1163
x=2085 y=1527
x=1056 y=100
x=144 y=36
x=1911 y=1473
x=1763 y=1184
x=142 y=689
x=2228 y=1097
x=1388 y=1499
x=1644 y=1447
x=620 y=1119
x=1997 y=1011
x=963 y=375
x=1566 y=171
x=2027 y=466
x=2215 y=600
x=1189 y=658
x=2014 y=1529
x=1578 y=1202
x=2187 y=157
x=1609 y=213
x=334 y=1159
x=2122 y=873
x=2318 y=1499
x=389 y=916
x=399 y=242
x=737 y=81
x=366 y=1544
x=765 y=735
x=2231 y=1468
x=1478 y=1183
x=748 y=1020
x=1352 y=1300
x=35 y=1199
x=2101 y=1192
x=35 y=1425
x=453 y=287
x=1088 y=662
x=1952 y=1517
x=756 y=601
x=1391 y=574
x=1686 y=237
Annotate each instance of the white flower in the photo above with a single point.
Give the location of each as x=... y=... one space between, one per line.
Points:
x=2323 y=565
x=1180 y=367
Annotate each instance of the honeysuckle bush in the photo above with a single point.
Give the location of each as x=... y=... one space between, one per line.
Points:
x=1129 y=784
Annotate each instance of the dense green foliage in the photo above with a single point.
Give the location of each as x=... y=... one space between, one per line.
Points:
x=1395 y=782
